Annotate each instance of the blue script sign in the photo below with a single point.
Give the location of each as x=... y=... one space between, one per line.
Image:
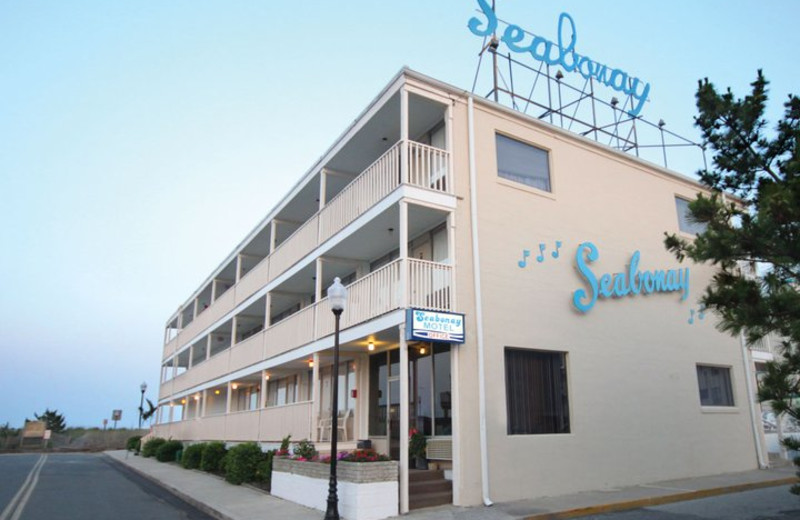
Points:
x=630 y=283
x=444 y=327
x=563 y=54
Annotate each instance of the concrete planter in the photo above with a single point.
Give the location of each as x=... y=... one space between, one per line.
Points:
x=366 y=490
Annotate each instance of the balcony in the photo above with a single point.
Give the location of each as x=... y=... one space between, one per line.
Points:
x=429 y=286
x=427 y=168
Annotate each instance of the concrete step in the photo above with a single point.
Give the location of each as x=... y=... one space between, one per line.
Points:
x=422 y=487
x=430 y=499
x=428 y=488
x=416 y=475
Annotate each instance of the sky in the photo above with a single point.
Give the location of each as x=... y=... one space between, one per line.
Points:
x=141 y=141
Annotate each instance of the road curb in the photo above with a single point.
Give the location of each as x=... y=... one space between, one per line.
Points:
x=657 y=501
x=202 y=506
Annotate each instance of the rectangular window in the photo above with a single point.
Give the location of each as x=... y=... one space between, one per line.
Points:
x=523 y=163
x=715 y=385
x=686 y=222
x=536 y=392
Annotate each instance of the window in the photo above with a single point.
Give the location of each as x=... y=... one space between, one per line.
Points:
x=523 y=163
x=686 y=222
x=536 y=392
x=715 y=385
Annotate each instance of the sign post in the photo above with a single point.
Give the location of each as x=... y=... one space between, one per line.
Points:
x=116 y=415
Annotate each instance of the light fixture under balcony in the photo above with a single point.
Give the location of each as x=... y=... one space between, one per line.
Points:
x=266 y=377
x=216 y=392
x=371 y=346
x=235 y=386
x=422 y=350
x=310 y=363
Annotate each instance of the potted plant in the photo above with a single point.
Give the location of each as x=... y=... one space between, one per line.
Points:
x=416 y=448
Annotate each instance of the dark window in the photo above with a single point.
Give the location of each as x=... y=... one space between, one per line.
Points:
x=520 y=162
x=686 y=222
x=536 y=392
x=715 y=386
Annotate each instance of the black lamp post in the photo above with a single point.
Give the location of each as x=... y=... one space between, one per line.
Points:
x=337 y=297
x=143 y=388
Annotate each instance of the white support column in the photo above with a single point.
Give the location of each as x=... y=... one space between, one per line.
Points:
x=180 y=318
x=238 y=267
x=273 y=232
x=264 y=388
x=228 y=399
x=403 y=135
x=234 y=324
x=451 y=256
x=213 y=290
x=403 y=420
x=323 y=188
x=316 y=393
x=203 y=404
x=171 y=410
x=194 y=315
x=403 y=246
x=268 y=310
x=318 y=280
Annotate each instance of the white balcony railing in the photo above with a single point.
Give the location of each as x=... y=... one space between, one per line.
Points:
x=428 y=167
x=377 y=181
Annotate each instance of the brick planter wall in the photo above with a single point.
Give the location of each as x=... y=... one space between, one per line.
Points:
x=366 y=490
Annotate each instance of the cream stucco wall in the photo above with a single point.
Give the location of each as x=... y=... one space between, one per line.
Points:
x=633 y=393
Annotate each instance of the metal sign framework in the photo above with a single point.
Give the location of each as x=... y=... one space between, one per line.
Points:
x=573 y=106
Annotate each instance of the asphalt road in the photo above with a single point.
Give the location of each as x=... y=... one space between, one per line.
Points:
x=775 y=503
x=82 y=487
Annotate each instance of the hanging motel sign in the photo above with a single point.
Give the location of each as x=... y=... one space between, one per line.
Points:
x=562 y=54
x=437 y=327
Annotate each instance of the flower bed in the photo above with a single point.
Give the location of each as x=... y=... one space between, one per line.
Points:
x=366 y=490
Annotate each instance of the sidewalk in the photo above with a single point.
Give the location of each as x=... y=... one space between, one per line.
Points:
x=227 y=502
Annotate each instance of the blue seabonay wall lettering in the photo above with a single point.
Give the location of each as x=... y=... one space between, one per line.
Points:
x=630 y=283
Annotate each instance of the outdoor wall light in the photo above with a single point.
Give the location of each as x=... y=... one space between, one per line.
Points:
x=310 y=363
x=216 y=392
x=235 y=386
x=422 y=350
x=371 y=346
x=266 y=377
x=197 y=397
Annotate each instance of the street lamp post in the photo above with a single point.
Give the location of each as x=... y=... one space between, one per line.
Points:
x=143 y=388
x=337 y=297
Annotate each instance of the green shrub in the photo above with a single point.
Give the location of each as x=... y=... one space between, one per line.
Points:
x=150 y=447
x=305 y=449
x=192 y=455
x=284 y=449
x=241 y=463
x=134 y=443
x=167 y=452
x=264 y=470
x=213 y=453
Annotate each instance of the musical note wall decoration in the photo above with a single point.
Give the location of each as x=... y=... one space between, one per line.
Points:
x=542 y=256
x=524 y=262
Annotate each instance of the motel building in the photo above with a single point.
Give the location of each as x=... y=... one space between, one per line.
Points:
x=509 y=295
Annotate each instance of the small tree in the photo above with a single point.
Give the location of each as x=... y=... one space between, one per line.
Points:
x=53 y=420
x=758 y=234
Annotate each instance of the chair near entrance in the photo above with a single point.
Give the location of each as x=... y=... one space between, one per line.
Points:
x=324 y=424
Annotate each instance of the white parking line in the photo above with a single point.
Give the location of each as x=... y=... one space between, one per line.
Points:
x=14 y=508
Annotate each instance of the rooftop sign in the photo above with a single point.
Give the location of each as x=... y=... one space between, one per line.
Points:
x=562 y=54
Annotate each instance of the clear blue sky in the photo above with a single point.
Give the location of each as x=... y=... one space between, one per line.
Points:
x=141 y=141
